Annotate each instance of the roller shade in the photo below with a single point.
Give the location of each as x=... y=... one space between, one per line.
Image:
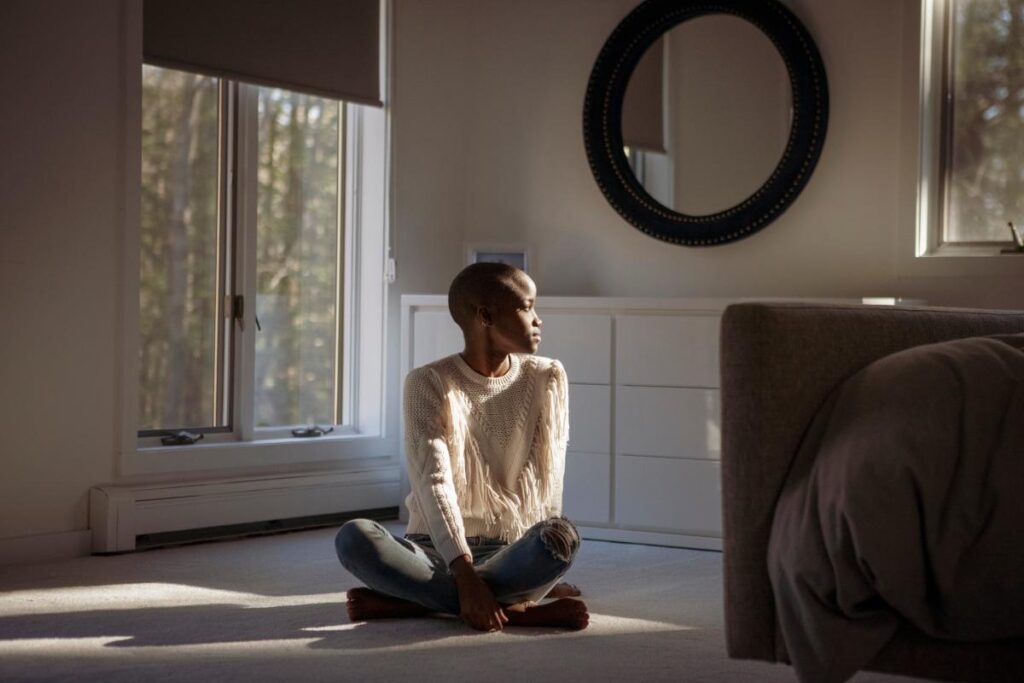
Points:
x=322 y=47
x=643 y=115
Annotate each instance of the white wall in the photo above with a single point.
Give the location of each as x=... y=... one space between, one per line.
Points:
x=61 y=180
x=432 y=109
x=727 y=107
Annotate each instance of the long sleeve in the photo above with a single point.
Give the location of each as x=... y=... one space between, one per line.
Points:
x=429 y=464
x=559 y=387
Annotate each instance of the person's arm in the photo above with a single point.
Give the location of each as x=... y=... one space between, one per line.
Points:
x=477 y=605
x=430 y=477
x=559 y=387
x=429 y=464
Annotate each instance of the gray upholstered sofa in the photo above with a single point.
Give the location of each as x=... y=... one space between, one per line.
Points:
x=779 y=361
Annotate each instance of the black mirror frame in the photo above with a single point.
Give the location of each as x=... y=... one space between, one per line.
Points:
x=602 y=120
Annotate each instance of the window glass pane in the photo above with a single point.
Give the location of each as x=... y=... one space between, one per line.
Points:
x=986 y=161
x=298 y=273
x=179 y=274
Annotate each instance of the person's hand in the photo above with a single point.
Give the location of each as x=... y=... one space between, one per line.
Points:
x=477 y=605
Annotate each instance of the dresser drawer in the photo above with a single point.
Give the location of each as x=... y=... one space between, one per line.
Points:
x=582 y=343
x=590 y=414
x=666 y=421
x=587 y=487
x=667 y=350
x=668 y=494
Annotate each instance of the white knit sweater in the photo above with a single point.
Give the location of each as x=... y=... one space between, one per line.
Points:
x=486 y=455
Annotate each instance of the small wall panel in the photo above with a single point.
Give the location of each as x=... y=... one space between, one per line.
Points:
x=667 y=350
x=668 y=494
x=586 y=488
x=436 y=336
x=590 y=416
x=581 y=342
x=668 y=421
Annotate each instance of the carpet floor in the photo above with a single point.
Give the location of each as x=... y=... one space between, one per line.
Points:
x=272 y=609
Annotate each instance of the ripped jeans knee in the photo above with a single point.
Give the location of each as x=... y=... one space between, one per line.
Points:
x=560 y=537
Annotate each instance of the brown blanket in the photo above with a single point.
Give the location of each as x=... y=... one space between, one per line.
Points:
x=906 y=502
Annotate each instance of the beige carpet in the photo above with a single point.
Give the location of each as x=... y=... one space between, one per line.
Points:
x=271 y=609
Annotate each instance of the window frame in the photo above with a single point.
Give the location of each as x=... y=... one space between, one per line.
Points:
x=224 y=390
x=348 y=186
x=238 y=171
x=246 y=450
x=936 y=108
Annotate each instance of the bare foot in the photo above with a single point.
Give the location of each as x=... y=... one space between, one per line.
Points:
x=564 y=590
x=562 y=613
x=364 y=604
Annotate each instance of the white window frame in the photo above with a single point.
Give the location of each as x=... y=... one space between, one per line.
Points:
x=245 y=282
x=935 y=43
x=367 y=271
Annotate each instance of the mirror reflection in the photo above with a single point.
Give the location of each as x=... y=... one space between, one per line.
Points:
x=707 y=114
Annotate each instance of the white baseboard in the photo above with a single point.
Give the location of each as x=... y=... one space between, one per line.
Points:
x=64 y=545
x=650 y=538
x=119 y=514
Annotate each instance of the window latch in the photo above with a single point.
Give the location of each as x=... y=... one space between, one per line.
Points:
x=180 y=439
x=1018 y=241
x=311 y=431
x=237 y=306
x=238 y=310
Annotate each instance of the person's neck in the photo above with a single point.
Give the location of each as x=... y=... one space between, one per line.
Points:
x=487 y=362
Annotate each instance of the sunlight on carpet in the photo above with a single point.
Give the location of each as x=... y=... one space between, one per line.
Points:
x=130 y=596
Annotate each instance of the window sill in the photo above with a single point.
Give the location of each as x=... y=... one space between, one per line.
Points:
x=233 y=455
x=970 y=251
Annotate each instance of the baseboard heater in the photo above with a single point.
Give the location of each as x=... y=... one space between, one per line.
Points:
x=130 y=517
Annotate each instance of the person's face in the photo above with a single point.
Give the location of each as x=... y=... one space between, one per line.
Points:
x=515 y=325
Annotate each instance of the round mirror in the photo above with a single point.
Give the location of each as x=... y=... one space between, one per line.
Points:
x=704 y=119
x=706 y=115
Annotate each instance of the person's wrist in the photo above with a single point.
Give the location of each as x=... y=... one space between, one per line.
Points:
x=462 y=566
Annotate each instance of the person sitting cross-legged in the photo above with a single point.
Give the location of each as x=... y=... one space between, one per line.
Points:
x=486 y=432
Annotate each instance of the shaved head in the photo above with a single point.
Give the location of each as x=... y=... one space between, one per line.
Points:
x=484 y=284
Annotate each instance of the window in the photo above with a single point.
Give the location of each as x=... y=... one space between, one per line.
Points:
x=182 y=260
x=300 y=202
x=248 y=256
x=977 y=127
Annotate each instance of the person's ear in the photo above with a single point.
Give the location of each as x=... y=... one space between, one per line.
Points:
x=484 y=315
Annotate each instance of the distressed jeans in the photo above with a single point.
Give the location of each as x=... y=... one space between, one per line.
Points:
x=409 y=568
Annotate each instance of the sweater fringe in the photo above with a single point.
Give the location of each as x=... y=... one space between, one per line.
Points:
x=508 y=513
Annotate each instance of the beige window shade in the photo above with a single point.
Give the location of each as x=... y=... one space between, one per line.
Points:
x=322 y=47
x=643 y=125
